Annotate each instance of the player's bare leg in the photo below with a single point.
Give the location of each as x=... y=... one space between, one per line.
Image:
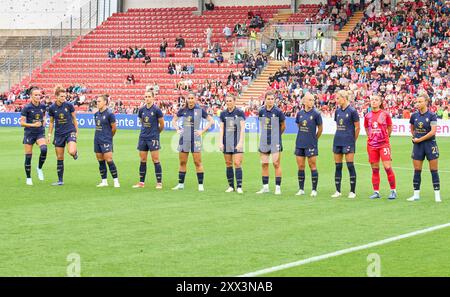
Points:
x=72 y=149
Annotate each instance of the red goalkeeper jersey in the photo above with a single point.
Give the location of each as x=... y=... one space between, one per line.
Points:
x=377 y=123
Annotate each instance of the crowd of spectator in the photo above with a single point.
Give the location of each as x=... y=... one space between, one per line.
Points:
x=398 y=54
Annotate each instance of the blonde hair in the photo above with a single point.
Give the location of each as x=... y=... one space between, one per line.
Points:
x=343 y=94
x=424 y=96
x=59 y=90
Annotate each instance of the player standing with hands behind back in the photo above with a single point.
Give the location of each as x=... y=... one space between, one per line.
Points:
x=423 y=129
x=64 y=121
x=105 y=129
x=344 y=143
x=378 y=125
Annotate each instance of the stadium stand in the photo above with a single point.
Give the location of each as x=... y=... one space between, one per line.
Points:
x=85 y=61
x=397 y=54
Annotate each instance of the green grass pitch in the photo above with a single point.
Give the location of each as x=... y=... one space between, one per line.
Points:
x=146 y=232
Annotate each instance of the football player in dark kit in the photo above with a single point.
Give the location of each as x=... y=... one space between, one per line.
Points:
x=191 y=138
x=232 y=136
x=105 y=129
x=272 y=125
x=310 y=128
x=64 y=121
x=344 y=143
x=152 y=124
x=423 y=129
x=33 y=120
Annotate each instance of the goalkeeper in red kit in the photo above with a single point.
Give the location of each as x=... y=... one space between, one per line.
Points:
x=378 y=125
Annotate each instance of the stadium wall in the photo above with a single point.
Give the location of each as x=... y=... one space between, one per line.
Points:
x=130 y=122
x=48 y=14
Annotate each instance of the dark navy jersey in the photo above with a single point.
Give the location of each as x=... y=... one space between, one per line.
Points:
x=271 y=124
x=34 y=113
x=232 y=125
x=103 y=129
x=63 y=118
x=191 y=118
x=307 y=128
x=149 y=122
x=345 y=126
x=422 y=123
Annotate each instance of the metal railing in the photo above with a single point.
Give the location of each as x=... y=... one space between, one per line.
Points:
x=37 y=52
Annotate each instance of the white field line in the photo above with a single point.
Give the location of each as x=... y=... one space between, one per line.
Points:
x=344 y=251
x=399 y=168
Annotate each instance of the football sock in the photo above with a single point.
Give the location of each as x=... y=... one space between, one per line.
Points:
x=60 y=169
x=102 y=169
x=181 y=176
x=28 y=165
x=376 y=179
x=238 y=173
x=265 y=180
x=417 y=179
x=278 y=180
x=142 y=171
x=314 y=179
x=352 y=173
x=158 y=172
x=230 y=176
x=391 y=177
x=301 y=179
x=338 y=176
x=200 y=176
x=42 y=156
x=112 y=169
x=435 y=179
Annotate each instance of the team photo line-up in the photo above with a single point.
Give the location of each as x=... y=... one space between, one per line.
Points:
x=377 y=124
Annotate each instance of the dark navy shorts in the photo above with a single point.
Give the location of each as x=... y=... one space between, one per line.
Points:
x=342 y=150
x=307 y=152
x=428 y=149
x=271 y=149
x=190 y=146
x=62 y=140
x=232 y=151
x=103 y=147
x=32 y=138
x=148 y=145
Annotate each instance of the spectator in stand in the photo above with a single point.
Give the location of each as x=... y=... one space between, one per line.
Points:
x=228 y=33
x=130 y=79
x=279 y=46
x=111 y=54
x=195 y=52
x=147 y=59
x=179 y=42
x=209 y=5
x=171 y=68
x=119 y=53
x=162 y=48
x=253 y=36
x=208 y=34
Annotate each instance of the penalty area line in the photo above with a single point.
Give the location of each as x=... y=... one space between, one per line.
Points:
x=399 y=168
x=344 y=251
